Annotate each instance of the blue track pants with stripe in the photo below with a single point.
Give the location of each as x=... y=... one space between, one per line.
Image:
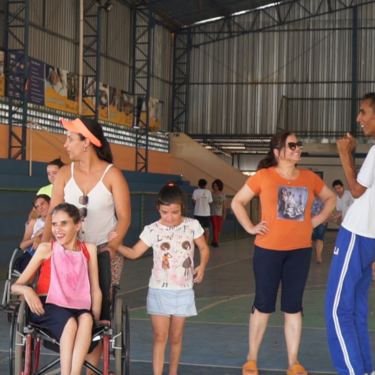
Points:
x=346 y=305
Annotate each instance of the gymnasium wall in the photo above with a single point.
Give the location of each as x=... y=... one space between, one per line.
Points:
x=48 y=146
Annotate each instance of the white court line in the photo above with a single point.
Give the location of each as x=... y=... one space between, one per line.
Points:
x=207 y=269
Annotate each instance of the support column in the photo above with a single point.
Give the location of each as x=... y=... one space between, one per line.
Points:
x=143 y=24
x=16 y=42
x=181 y=67
x=354 y=74
x=91 y=57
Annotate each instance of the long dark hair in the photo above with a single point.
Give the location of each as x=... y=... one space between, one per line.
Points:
x=104 y=152
x=171 y=193
x=277 y=142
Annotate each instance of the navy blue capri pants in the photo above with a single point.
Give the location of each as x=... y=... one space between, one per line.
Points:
x=271 y=267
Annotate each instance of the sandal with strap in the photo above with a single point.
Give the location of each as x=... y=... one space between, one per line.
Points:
x=297 y=369
x=250 y=368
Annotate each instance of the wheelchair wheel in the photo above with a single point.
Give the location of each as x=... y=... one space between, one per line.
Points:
x=122 y=360
x=126 y=336
x=16 y=349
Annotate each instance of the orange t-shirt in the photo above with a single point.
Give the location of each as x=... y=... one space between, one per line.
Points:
x=286 y=205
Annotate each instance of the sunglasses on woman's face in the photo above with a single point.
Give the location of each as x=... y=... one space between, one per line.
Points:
x=294 y=145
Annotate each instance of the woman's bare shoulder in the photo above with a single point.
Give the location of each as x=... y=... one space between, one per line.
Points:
x=115 y=173
x=65 y=171
x=44 y=250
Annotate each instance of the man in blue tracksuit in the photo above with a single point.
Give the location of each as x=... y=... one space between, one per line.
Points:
x=346 y=305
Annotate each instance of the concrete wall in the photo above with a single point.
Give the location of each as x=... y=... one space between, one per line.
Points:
x=193 y=162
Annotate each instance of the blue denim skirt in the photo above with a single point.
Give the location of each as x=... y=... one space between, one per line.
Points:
x=171 y=302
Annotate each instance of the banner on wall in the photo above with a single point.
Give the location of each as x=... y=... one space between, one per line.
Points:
x=121 y=107
x=88 y=102
x=14 y=87
x=155 y=109
x=61 y=89
x=53 y=87
x=103 y=101
x=36 y=82
x=2 y=76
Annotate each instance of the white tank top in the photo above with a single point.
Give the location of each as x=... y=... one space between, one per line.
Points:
x=100 y=218
x=39 y=224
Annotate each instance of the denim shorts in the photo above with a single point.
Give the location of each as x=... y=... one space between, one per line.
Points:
x=319 y=232
x=171 y=302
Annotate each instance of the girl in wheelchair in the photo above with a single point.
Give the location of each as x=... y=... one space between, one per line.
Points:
x=68 y=297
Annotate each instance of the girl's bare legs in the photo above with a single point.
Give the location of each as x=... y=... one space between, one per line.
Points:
x=82 y=342
x=293 y=329
x=94 y=357
x=175 y=342
x=257 y=327
x=74 y=344
x=160 y=325
x=67 y=345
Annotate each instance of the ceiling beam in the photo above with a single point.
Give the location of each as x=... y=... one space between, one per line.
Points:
x=274 y=16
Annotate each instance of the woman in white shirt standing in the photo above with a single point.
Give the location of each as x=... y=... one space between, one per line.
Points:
x=99 y=190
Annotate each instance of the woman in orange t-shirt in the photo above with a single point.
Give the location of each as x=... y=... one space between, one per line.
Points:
x=283 y=241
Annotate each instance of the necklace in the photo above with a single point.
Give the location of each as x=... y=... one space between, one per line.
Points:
x=289 y=178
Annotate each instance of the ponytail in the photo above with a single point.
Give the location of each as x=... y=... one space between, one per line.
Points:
x=104 y=152
x=277 y=142
x=268 y=161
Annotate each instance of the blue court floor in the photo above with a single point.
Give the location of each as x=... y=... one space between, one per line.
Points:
x=216 y=341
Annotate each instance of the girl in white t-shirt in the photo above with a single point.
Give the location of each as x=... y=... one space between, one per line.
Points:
x=170 y=297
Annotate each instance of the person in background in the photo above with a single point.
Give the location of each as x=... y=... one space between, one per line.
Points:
x=52 y=169
x=319 y=231
x=344 y=201
x=283 y=241
x=218 y=210
x=34 y=231
x=201 y=200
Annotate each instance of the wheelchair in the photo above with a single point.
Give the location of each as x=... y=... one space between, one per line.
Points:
x=8 y=304
x=26 y=339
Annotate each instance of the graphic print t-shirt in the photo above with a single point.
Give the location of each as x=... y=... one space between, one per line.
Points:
x=173 y=252
x=286 y=206
x=217 y=204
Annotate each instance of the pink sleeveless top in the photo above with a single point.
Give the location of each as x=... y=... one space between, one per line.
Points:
x=70 y=285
